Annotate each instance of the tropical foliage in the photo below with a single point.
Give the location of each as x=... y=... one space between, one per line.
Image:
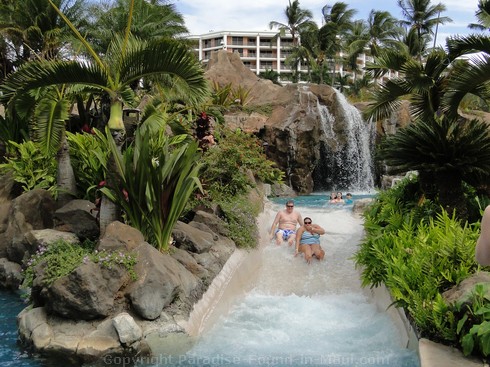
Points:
x=419 y=251
x=30 y=167
x=445 y=153
x=157 y=175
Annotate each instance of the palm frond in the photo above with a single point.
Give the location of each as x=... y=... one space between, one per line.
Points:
x=49 y=117
x=467 y=78
x=38 y=74
x=166 y=57
x=462 y=45
x=387 y=100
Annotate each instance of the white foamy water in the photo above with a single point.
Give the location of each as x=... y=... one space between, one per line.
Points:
x=298 y=314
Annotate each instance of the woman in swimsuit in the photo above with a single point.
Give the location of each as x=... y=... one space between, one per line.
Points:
x=308 y=240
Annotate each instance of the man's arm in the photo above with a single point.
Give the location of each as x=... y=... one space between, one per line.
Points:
x=300 y=220
x=274 y=224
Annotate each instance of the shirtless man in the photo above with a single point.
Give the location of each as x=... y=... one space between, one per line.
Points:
x=286 y=221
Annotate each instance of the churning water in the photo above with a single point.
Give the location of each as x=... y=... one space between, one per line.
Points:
x=303 y=315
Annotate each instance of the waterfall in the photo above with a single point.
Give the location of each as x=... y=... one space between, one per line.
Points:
x=346 y=153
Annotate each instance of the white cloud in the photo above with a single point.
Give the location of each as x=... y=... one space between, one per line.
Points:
x=202 y=16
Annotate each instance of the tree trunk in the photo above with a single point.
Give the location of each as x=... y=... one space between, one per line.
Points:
x=109 y=211
x=66 y=182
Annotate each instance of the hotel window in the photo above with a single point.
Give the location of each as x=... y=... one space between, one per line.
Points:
x=265 y=42
x=237 y=41
x=268 y=54
x=251 y=42
x=266 y=64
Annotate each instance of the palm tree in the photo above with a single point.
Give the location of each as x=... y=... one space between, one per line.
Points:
x=421 y=17
x=382 y=32
x=332 y=35
x=471 y=76
x=127 y=60
x=298 y=20
x=444 y=152
x=422 y=83
x=483 y=16
x=151 y=20
x=33 y=29
x=439 y=146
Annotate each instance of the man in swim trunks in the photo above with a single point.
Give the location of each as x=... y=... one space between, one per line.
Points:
x=286 y=221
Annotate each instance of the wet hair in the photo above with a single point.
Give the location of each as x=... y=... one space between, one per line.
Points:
x=289 y=202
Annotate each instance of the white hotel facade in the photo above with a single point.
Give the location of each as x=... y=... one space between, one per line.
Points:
x=259 y=51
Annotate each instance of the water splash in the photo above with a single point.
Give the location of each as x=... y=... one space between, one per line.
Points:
x=347 y=162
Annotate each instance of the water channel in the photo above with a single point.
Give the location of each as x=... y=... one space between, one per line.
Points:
x=295 y=314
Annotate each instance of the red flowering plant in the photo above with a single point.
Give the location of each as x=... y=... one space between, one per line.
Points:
x=157 y=174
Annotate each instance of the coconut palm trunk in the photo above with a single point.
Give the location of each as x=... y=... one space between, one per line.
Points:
x=67 y=185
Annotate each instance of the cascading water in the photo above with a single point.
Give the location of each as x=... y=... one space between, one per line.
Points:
x=346 y=152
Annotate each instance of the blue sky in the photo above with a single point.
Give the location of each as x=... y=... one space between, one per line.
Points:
x=203 y=16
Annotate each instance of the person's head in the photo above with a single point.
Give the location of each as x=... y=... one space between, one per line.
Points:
x=348 y=195
x=307 y=222
x=333 y=195
x=290 y=205
x=339 y=195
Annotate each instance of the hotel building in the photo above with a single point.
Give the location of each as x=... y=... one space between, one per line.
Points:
x=260 y=51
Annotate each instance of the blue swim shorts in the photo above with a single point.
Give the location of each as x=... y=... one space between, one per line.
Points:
x=286 y=233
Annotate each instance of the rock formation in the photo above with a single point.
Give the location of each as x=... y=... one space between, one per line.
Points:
x=98 y=310
x=295 y=130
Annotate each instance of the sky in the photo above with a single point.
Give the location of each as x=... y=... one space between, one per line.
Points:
x=203 y=16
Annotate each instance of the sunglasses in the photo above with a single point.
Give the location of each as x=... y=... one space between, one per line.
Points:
x=307 y=222
x=290 y=206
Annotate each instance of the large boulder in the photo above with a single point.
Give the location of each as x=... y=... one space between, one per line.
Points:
x=160 y=280
x=295 y=132
x=29 y=211
x=78 y=221
x=86 y=293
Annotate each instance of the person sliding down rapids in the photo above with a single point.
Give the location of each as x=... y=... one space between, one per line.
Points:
x=286 y=221
x=308 y=241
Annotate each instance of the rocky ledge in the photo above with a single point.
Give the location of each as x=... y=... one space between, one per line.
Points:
x=96 y=311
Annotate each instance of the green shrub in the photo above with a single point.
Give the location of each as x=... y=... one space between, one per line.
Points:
x=31 y=168
x=474 y=323
x=418 y=251
x=226 y=167
x=61 y=258
x=89 y=154
x=240 y=214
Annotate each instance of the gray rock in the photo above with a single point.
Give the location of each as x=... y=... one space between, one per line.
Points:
x=78 y=204
x=192 y=239
x=27 y=244
x=213 y=222
x=161 y=279
x=462 y=291
x=78 y=221
x=120 y=236
x=127 y=329
x=86 y=293
x=30 y=211
x=10 y=276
